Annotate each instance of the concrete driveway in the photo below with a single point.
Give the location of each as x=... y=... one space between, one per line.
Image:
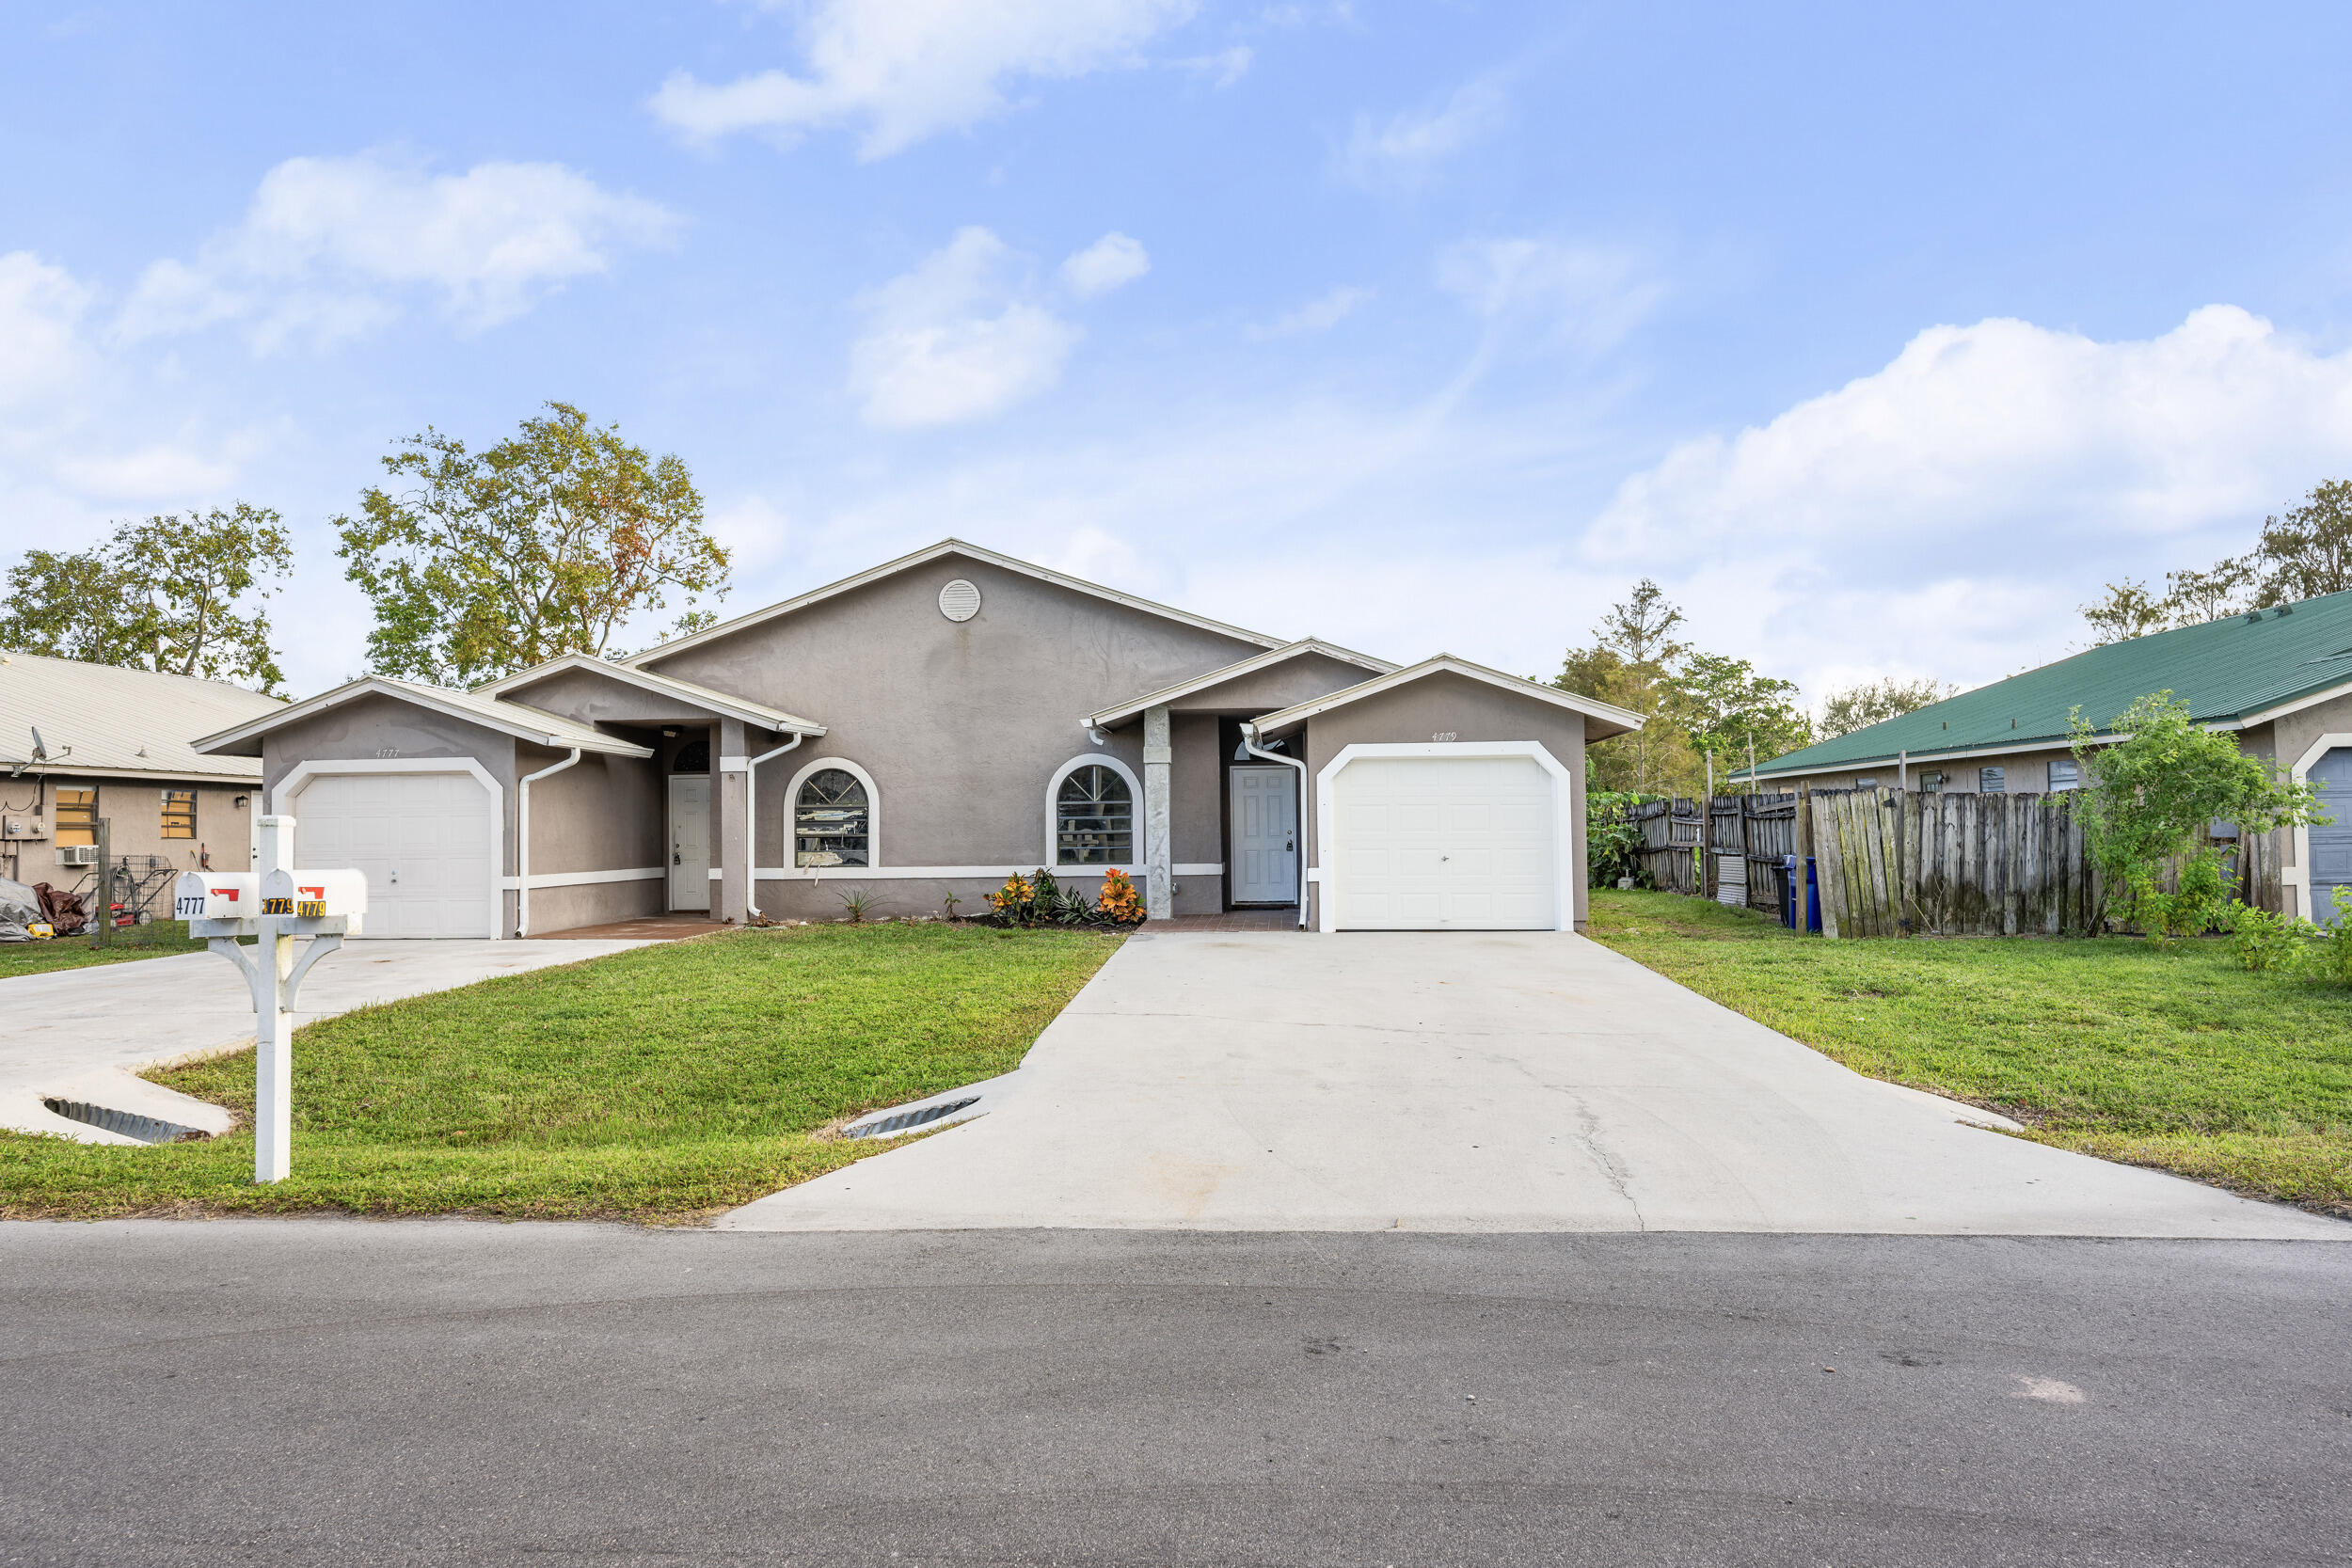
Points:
x=1470 y=1082
x=83 y=1034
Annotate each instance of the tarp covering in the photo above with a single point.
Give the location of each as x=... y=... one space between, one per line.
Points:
x=19 y=905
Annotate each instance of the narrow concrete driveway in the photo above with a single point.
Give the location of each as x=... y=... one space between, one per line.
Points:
x=1470 y=1082
x=83 y=1034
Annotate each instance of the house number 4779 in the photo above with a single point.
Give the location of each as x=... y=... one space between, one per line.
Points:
x=1446 y=735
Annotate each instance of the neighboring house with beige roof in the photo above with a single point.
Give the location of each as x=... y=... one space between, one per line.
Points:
x=79 y=742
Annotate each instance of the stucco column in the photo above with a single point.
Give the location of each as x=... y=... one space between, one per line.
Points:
x=1159 y=878
x=730 y=823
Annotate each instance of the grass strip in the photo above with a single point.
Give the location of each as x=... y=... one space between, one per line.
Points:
x=662 y=1084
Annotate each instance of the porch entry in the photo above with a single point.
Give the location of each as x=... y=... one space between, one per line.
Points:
x=1263 y=817
x=690 y=841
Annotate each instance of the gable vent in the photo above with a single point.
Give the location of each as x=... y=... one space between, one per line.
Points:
x=959 y=600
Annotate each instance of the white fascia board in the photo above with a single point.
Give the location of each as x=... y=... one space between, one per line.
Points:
x=717 y=702
x=66 y=770
x=1448 y=664
x=2295 y=704
x=376 y=686
x=1256 y=663
x=934 y=552
x=1928 y=759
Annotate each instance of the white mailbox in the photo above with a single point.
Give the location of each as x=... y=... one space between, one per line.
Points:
x=216 y=895
x=314 y=895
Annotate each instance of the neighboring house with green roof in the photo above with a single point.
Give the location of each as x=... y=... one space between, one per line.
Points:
x=2280 y=678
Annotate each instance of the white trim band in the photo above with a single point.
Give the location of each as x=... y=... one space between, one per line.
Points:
x=586 y=878
x=958 y=873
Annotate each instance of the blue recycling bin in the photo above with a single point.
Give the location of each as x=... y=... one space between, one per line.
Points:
x=1788 y=894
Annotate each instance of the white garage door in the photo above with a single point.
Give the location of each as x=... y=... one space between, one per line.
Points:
x=1444 y=843
x=424 y=839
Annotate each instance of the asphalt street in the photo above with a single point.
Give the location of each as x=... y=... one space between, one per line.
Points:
x=320 y=1392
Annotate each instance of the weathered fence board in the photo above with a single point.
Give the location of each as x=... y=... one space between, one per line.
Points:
x=1952 y=865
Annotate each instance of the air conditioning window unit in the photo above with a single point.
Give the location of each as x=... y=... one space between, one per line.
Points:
x=77 y=854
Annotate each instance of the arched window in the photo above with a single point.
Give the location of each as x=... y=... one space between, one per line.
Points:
x=692 y=757
x=1093 y=806
x=832 y=820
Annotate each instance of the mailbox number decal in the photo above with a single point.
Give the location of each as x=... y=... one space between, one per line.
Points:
x=277 y=906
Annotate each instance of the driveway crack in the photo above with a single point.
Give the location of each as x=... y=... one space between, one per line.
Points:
x=1588 y=1133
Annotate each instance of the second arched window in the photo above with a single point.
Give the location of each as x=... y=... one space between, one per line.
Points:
x=832 y=820
x=1094 y=818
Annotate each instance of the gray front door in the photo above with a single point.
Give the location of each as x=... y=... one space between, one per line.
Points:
x=1264 y=852
x=2331 y=846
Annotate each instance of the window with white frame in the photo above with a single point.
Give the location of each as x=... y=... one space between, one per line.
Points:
x=832 y=820
x=1094 y=817
x=1991 y=781
x=1931 y=783
x=2064 y=775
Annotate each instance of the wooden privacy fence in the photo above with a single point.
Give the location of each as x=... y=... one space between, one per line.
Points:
x=1891 y=863
x=1752 y=838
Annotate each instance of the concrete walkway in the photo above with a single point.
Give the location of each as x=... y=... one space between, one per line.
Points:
x=83 y=1034
x=1470 y=1082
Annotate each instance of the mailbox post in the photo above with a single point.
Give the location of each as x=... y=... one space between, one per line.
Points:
x=276 y=905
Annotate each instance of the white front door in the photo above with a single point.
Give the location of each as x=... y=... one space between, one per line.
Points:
x=1439 y=843
x=1265 y=855
x=422 y=840
x=690 y=841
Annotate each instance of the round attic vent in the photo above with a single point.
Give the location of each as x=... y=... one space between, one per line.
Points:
x=959 y=600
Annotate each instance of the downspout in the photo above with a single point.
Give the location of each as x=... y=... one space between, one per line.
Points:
x=751 y=825
x=522 y=835
x=1250 y=744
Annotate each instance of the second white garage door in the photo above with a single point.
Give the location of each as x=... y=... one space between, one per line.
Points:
x=1437 y=843
x=424 y=839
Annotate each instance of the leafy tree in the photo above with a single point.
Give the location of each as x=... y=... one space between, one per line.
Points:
x=2128 y=611
x=164 y=593
x=1631 y=664
x=2307 y=552
x=2301 y=555
x=543 y=544
x=1857 y=708
x=1732 y=713
x=2152 y=796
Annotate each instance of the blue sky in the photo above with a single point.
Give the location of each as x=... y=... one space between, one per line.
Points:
x=1881 y=341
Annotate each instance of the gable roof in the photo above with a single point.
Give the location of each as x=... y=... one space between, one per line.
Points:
x=2232 y=672
x=668 y=686
x=924 y=557
x=118 y=720
x=516 y=719
x=1447 y=664
x=1255 y=662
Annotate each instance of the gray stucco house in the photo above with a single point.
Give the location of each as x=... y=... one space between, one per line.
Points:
x=933 y=726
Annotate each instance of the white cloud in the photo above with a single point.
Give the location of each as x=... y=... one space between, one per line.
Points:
x=1223 y=67
x=1945 y=515
x=330 y=248
x=951 y=341
x=1405 y=151
x=40 y=312
x=1317 y=315
x=2005 y=428
x=1586 y=294
x=906 y=70
x=1109 y=262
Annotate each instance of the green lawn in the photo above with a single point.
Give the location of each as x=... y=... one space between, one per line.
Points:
x=661 y=1083
x=159 y=940
x=2175 y=1058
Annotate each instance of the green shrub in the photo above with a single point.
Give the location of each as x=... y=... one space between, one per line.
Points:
x=2328 y=956
x=2267 y=943
x=1610 y=842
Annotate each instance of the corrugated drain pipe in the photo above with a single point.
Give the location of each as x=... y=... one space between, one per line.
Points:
x=750 y=819
x=1249 y=742
x=522 y=835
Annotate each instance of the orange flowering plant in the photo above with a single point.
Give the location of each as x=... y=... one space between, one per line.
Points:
x=1120 y=902
x=1014 y=901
